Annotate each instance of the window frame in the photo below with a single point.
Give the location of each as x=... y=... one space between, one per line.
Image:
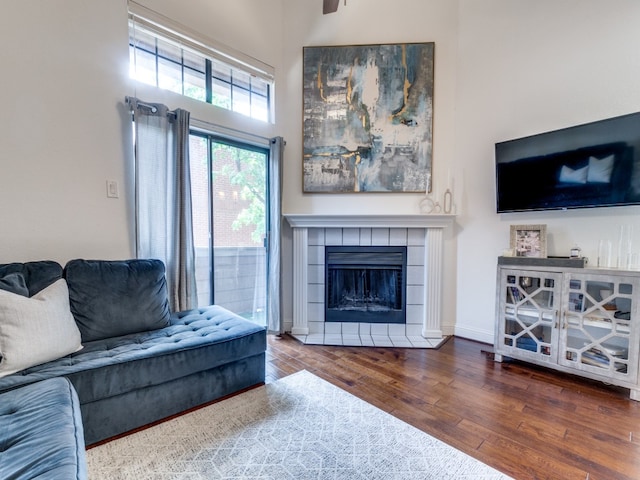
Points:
x=259 y=89
x=216 y=137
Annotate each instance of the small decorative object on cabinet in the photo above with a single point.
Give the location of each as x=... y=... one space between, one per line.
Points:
x=529 y=240
x=576 y=320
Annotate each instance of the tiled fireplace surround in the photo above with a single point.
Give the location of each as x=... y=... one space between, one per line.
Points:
x=423 y=237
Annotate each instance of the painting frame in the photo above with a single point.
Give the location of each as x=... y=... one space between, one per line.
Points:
x=368 y=118
x=529 y=241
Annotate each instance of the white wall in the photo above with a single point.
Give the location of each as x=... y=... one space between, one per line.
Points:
x=60 y=132
x=527 y=67
x=65 y=130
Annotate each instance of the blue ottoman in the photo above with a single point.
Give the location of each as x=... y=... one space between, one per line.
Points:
x=41 y=432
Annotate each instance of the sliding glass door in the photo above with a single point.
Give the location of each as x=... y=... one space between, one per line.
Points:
x=229 y=184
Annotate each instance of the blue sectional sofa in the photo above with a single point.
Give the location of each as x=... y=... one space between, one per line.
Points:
x=135 y=361
x=41 y=432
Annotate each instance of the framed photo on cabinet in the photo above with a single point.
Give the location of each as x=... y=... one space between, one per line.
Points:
x=529 y=240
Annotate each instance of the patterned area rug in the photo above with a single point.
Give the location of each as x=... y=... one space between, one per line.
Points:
x=300 y=427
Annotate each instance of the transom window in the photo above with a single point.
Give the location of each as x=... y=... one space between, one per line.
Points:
x=171 y=65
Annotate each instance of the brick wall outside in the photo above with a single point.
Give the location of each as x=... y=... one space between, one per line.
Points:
x=226 y=202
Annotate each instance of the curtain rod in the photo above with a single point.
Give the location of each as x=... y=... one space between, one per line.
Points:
x=151 y=107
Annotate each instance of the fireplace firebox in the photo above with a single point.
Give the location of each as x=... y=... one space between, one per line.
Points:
x=365 y=284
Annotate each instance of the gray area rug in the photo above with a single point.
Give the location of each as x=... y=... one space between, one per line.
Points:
x=300 y=427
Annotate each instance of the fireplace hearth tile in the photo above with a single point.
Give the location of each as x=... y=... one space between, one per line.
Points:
x=379 y=329
x=333 y=328
x=333 y=340
x=397 y=330
x=435 y=343
x=365 y=329
x=401 y=342
x=352 y=340
x=365 y=340
x=350 y=329
x=314 y=339
x=420 y=342
x=382 y=341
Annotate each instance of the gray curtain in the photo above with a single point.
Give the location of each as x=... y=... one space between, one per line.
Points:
x=274 y=278
x=164 y=223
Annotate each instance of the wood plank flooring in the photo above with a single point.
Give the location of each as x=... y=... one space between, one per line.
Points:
x=526 y=421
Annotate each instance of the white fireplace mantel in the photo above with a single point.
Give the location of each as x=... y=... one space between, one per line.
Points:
x=369 y=221
x=433 y=226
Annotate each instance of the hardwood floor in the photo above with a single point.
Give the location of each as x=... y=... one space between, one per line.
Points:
x=528 y=422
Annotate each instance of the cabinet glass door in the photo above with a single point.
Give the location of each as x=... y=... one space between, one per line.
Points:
x=529 y=313
x=597 y=334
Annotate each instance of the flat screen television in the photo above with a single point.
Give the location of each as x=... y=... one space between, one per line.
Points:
x=595 y=164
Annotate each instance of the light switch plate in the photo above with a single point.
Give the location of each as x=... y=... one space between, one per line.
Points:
x=112 y=189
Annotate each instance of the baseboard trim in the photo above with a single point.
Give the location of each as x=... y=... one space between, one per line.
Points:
x=474 y=334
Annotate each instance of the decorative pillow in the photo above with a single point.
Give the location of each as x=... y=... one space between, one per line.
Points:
x=569 y=175
x=36 y=330
x=600 y=169
x=14 y=283
x=113 y=298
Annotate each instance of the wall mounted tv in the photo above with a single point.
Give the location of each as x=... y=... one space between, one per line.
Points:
x=595 y=164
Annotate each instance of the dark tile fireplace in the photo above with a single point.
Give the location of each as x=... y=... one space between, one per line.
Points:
x=365 y=284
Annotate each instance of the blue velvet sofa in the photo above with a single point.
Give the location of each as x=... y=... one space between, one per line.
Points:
x=41 y=432
x=138 y=362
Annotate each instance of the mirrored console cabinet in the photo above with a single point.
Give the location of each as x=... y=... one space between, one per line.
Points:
x=577 y=320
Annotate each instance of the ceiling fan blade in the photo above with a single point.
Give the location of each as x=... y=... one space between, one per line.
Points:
x=330 y=6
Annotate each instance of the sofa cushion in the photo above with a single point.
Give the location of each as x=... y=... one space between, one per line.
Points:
x=37 y=275
x=36 y=330
x=114 y=298
x=125 y=382
x=41 y=432
x=112 y=366
x=14 y=283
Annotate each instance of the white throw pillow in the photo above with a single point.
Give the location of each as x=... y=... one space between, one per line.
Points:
x=569 y=175
x=600 y=169
x=36 y=330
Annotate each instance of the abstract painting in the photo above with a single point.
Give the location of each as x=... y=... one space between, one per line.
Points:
x=367 y=118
